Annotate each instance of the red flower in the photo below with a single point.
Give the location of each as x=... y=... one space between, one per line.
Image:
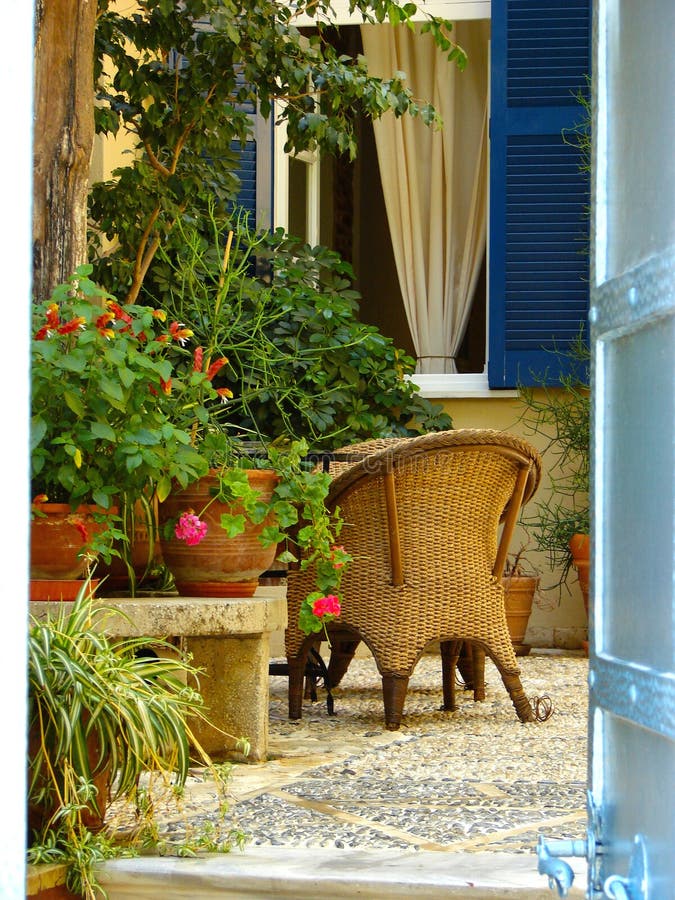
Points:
x=53 y=315
x=179 y=332
x=190 y=529
x=74 y=325
x=118 y=312
x=79 y=524
x=215 y=367
x=225 y=394
x=198 y=359
x=52 y=324
x=102 y=324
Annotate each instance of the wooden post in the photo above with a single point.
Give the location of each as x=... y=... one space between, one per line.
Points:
x=63 y=136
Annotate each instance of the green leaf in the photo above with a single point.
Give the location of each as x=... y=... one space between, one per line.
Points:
x=103 y=430
x=163 y=488
x=233 y=524
x=111 y=388
x=74 y=403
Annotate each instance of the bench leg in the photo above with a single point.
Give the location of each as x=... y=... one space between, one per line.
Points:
x=235 y=688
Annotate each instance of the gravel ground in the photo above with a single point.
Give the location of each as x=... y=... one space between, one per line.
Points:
x=474 y=780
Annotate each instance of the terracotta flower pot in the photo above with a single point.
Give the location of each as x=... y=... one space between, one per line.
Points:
x=59 y=588
x=56 y=539
x=519 y=591
x=218 y=566
x=143 y=553
x=580 y=548
x=92 y=816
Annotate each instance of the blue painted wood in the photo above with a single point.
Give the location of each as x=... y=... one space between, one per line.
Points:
x=539 y=197
x=247 y=168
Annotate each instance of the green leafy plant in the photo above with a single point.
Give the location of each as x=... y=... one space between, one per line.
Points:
x=301 y=365
x=295 y=516
x=99 y=374
x=106 y=723
x=560 y=413
x=181 y=77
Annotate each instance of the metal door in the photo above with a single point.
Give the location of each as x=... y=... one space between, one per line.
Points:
x=631 y=836
x=632 y=665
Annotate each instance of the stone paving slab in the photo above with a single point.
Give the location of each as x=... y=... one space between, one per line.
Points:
x=265 y=873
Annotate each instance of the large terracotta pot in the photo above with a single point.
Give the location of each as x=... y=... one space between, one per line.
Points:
x=219 y=566
x=92 y=816
x=580 y=548
x=143 y=552
x=56 y=539
x=519 y=591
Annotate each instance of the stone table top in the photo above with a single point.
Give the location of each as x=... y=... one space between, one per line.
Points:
x=164 y=615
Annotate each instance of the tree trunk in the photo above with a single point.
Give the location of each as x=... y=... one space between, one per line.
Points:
x=62 y=139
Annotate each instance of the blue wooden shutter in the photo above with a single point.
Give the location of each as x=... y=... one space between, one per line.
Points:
x=539 y=198
x=246 y=170
x=246 y=154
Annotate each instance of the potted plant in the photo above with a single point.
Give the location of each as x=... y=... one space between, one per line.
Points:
x=228 y=507
x=560 y=413
x=102 y=438
x=520 y=583
x=107 y=724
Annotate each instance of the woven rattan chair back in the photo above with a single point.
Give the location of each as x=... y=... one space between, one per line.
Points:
x=428 y=521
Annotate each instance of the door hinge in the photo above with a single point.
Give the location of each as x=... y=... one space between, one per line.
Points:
x=634 y=886
x=559 y=872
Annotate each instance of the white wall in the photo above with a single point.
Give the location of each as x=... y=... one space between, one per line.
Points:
x=16 y=72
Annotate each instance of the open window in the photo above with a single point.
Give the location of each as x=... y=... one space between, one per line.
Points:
x=525 y=289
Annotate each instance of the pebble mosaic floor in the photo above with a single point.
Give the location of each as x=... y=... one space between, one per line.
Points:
x=474 y=780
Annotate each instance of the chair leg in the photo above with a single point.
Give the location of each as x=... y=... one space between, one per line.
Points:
x=517 y=694
x=296 y=684
x=478 y=669
x=394 y=689
x=341 y=655
x=450 y=651
x=465 y=665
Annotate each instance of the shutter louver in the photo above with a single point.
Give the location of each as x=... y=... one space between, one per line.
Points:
x=539 y=197
x=246 y=171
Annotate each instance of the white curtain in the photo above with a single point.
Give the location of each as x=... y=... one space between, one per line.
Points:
x=435 y=183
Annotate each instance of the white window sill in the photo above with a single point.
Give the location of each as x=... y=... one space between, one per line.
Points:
x=465 y=385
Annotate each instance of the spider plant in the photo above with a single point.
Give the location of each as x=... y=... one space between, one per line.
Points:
x=101 y=715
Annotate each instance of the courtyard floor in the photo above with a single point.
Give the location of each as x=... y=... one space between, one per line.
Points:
x=451 y=802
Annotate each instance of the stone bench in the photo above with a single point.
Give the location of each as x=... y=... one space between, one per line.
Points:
x=228 y=639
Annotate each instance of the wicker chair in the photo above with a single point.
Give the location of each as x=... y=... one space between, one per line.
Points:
x=422 y=521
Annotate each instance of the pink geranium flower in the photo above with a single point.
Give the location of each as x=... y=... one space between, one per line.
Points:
x=326 y=606
x=191 y=529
